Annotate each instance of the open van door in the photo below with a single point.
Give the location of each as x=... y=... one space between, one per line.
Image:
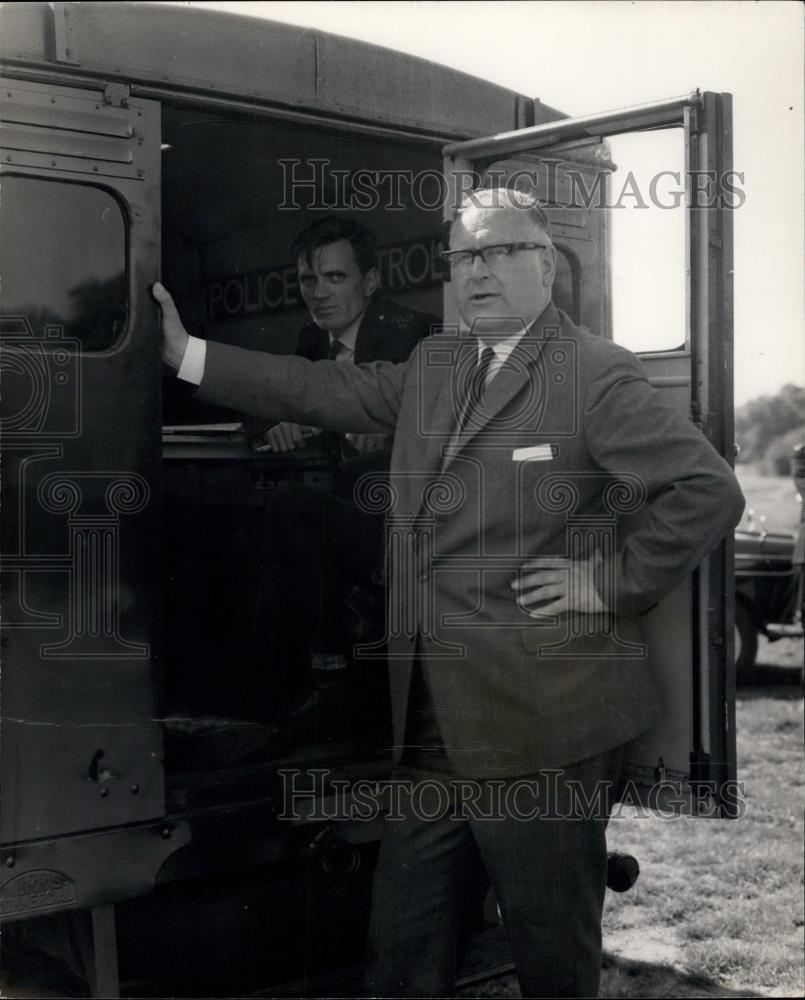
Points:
x=640 y=205
x=82 y=743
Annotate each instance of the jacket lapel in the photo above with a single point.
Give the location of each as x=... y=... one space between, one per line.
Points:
x=368 y=333
x=520 y=374
x=437 y=413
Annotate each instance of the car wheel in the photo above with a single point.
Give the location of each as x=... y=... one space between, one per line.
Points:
x=745 y=642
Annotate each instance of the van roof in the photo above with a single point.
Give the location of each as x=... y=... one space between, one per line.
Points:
x=200 y=51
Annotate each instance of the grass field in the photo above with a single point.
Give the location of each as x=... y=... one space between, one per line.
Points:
x=719 y=903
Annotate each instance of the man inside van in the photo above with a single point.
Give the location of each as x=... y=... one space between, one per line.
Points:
x=320 y=548
x=520 y=674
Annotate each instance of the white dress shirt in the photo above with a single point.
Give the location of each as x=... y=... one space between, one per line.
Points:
x=502 y=350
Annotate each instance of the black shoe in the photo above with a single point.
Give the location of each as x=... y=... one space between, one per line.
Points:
x=622 y=871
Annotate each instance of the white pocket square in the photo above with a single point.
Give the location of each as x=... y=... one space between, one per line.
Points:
x=537 y=453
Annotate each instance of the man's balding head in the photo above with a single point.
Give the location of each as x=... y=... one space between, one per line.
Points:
x=505 y=289
x=506 y=199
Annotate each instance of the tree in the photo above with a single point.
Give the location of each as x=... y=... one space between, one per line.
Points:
x=761 y=421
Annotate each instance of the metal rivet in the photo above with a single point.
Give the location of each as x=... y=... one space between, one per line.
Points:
x=53 y=100
x=104 y=792
x=167 y=833
x=53 y=163
x=139 y=173
x=95 y=169
x=135 y=789
x=67 y=52
x=9 y=861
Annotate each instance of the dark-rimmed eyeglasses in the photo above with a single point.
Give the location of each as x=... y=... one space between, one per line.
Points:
x=492 y=256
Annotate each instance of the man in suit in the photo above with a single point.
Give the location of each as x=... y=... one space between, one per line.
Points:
x=320 y=548
x=519 y=665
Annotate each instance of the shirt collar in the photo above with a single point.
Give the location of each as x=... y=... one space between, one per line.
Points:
x=503 y=346
x=350 y=336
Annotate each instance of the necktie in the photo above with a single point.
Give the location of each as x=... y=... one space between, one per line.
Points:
x=476 y=386
x=334 y=350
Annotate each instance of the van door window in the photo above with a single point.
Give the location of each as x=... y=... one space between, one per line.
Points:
x=63 y=260
x=647 y=264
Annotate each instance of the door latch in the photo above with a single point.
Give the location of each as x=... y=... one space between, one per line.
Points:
x=116 y=95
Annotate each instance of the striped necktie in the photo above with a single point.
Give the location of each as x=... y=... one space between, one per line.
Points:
x=477 y=386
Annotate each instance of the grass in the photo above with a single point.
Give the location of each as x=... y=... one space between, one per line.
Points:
x=720 y=902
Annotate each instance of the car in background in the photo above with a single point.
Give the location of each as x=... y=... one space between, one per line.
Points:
x=768 y=593
x=769 y=574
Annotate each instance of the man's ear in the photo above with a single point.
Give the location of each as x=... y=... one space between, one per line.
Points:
x=371 y=282
x=548 y=266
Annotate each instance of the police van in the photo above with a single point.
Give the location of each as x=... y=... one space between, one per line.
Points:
x=142 y=767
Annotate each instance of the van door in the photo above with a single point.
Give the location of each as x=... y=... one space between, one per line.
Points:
x=81 y=433
x=640 y=205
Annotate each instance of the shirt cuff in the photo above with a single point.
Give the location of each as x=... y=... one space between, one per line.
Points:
x=195 y=357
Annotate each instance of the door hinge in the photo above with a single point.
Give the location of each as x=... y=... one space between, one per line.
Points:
x=116 y=95
x=65 y=36
x=696 y=413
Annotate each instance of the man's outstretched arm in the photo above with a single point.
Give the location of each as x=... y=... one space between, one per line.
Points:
x=361 y=399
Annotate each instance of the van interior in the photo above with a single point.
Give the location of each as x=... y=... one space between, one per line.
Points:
x=236 y=189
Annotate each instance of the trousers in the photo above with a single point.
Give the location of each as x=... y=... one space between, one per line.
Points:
x=541 y=841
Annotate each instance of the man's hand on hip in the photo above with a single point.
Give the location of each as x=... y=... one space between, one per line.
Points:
x=174 y=335
x=551 y=585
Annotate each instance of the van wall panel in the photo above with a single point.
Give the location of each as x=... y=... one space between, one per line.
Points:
x=257 y=59
x=25 y=30
x=391 y=86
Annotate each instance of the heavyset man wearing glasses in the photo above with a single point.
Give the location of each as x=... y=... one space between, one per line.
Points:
x=521 y=674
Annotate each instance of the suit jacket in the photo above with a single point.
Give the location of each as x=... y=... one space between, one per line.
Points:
x=513 y=694
x=387 y=332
